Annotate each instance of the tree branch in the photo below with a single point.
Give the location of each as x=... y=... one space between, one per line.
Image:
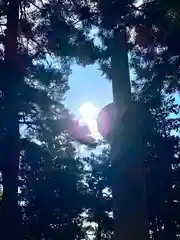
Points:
x=26 y=122
x=35 y=5
x=133 y=7
x=140 y=7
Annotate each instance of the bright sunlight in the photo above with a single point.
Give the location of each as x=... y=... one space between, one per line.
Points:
x=89 y=114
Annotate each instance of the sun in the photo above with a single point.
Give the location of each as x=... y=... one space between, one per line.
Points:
x=89 y=112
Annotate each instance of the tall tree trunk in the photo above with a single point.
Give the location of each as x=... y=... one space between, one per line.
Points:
x=130 y=212
x=99 y=230
x=10 y=212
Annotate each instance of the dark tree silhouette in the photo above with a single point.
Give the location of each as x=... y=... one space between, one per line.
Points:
x=35 y=38
x=39 y=41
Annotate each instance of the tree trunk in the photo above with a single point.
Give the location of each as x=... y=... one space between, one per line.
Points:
x=10 y=212
x=130 y=212
x=99 y=231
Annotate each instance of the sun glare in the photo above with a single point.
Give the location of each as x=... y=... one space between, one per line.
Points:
x=88 y=110
x=89 y=114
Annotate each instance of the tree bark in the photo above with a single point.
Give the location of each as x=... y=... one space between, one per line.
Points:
x=10 y=211
x=130 y=211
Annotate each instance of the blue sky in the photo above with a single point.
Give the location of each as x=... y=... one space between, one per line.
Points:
x=87 y=85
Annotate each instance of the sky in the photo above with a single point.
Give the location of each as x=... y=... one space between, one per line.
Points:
x=87 y=85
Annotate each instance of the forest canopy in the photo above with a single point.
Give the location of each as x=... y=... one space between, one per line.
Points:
x=47 y=190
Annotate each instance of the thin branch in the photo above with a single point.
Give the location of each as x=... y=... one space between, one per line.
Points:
x=133 y=7
x=145 y=4
x=140 y=7
x=26 y=122
x=42 y=3
x=35 y=5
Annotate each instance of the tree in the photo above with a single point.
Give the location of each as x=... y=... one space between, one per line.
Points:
x=98 y=178
x=52 y=194
x=161 y=157
x=156 y=51
x=161 y=160
x=155 y=58
x=31 y=87
x=58 y=30
x=112 y=19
